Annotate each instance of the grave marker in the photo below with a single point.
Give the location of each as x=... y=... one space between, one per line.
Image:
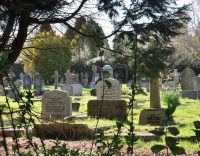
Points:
x=56 y=104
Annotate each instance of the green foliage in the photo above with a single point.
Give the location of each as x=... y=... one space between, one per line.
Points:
x=4 y=64
x=172 y=100
x=197 y=133
x=106 y=147
x=60 y=149
x=50 y=53
x=171 y=143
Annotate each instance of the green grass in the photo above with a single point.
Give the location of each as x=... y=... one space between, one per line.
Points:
x=186 y=113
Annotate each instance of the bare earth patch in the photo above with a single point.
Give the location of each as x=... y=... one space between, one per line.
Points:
x=84 y=146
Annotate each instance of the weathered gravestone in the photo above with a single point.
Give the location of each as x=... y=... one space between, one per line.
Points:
x=108 y=104
x=155 y=115
x=188 y=83
x=187 y=77
x=108 y=93
x=56 y=104
x=73 y=89
x=27 y=82
x=37 y=81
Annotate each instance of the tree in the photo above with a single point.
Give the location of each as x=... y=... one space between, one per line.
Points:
x=20 y=18
x=49 y=53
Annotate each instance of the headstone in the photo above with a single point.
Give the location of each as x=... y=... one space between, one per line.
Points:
x=95 y=76
x=56 y=104
x=77 y=78
x=68 y=77
x=37 y=81
x=198 y=82
x=176 y=78
x=27 y=82
x=108 y=93
x=86 y=80
x=55 y=76
x=109 y=69
x=187 y=77
x=82 y=77
x=73 y=89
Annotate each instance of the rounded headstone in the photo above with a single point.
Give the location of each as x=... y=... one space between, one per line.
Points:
x=109 y=69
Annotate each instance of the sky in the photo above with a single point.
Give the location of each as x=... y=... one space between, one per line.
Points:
x=108 y=27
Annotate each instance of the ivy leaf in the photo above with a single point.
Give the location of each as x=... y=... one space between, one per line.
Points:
x=173 y=131
x=157 y=148
x=177 y=150
x=197 y=124
x=108 y=83
x=119 y=124
x=171 y=141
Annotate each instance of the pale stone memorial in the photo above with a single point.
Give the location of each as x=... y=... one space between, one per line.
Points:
x=108 y=99
x=56 y=104
x=112 y=93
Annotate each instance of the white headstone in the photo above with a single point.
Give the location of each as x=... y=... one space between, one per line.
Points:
x=73 y=89
x=112 y=93
x=56 y=104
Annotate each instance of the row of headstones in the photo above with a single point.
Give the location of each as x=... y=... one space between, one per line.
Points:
x=58 y=104
x=11 y=88
x=37 y=83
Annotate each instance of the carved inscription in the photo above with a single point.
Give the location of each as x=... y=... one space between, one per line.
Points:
x=56 y=104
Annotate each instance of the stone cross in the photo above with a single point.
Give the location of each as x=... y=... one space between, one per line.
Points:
x=55 y=76
x=68 y=77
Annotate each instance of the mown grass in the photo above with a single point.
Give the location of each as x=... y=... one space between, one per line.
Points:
x=186 y=113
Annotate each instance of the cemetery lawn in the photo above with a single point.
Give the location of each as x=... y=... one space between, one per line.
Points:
x=185 y=115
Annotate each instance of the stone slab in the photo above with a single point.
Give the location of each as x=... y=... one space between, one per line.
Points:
x=153 y=116
x=64 y=131
x=110 y=109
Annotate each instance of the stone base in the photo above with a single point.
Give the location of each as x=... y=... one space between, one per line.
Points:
x=63 y=131
x=153 y=116
x=193 y=94
x=111 y=109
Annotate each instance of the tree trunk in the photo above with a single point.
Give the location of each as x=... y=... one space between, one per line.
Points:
x=154 y=93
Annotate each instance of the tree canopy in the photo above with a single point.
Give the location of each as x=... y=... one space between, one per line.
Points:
x=147 y=18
